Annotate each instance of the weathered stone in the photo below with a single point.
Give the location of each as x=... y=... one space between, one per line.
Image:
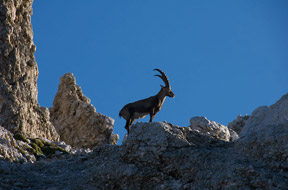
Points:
x=265 y=134
x=10 y=149
x=212 y=128
x=265 y=116
x=154 y=156
x=233 y=135
x=19 y=109
x=238 y=124
x=76 y=120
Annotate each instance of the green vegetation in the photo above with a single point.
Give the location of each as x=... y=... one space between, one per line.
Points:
x=50 y=150
x=38 y=142
x=38 y=147
x=20 y=137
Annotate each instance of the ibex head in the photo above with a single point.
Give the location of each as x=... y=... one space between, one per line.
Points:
x=167 y=88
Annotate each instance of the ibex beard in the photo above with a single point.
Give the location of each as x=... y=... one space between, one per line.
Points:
x=151 y=105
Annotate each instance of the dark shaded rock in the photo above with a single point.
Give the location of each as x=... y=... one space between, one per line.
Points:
x=238 y=124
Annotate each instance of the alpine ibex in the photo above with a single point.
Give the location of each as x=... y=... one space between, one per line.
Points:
x=151 y=105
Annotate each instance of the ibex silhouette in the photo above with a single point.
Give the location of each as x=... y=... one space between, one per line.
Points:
x=151 y=105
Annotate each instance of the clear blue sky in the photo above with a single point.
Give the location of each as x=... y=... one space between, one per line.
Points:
x=223 y=58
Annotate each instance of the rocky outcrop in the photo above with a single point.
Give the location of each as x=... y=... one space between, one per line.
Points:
x=76 y=119
x=211 y=128
x=265 y=117
x=19 y=109
x=17 y=148
x=9 y=147
x=265 y=135
x=154 y=156
x=164 y=156
x=238 y=124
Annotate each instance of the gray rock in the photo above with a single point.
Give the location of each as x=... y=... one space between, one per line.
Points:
x=265 y=116
x=76 y=119
x=9 y=148
x=265 y=134
x=19 y=109
x=212 y=128
x=233 y=135
x=154 y=156
x=238 y=124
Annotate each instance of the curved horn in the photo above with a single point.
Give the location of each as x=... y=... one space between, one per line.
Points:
x=163 y=77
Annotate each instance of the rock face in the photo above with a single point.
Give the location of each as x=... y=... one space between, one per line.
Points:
x=76 y=120
x=154 y=156
x=8 y=147
x=238 y=124
x=265 y=134
x=19 y=109
x=164 y=156
x=211 y=128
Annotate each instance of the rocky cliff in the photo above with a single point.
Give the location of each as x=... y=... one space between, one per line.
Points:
x=252 y=153
x=164 y=156
x=19 y=108
x=20 y=112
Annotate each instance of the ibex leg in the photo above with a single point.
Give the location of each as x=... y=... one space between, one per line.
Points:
x=127 y=125
x=152 y=117
x=129 y=122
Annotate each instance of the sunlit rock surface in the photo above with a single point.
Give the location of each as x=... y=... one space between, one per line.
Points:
x=156 y=155
x=19 y=108
x=265 y=134
x=76 y=119
x=9 y=147
x=212 y=128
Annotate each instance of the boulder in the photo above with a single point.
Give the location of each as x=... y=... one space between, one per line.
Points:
x=76 y=119
x=211 y=128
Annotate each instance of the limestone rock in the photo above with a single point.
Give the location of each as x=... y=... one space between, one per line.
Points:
x=19 y=109
x=265 y=134
x=212 y=128
x=233 y=135
x=154 y=156
x=9 y=148
x=265 y=116
x=146 y=142
x=76 y=120
x=238 y=124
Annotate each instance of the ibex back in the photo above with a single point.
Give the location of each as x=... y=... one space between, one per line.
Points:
x=151 y=105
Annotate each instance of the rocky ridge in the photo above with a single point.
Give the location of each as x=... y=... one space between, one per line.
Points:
x=20 y=112
x=250 y=154
x=160 y=155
